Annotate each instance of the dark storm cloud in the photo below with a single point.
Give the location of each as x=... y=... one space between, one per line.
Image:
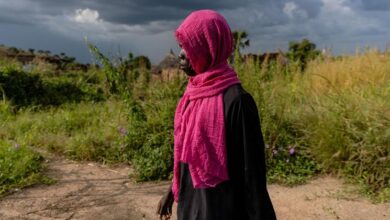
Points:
x=376 y=5
x=11 y=19
x=145 y=11
x=14 y=13
x=137 y=11
x=271 y=24
x=312 y=7
x=141 y=12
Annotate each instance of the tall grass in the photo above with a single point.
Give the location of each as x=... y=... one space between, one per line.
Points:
x=333 y=117
x=150 y=138
x=349 y=126
x=84 y=131
x=337 y=113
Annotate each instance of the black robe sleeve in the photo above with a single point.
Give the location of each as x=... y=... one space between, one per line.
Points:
x=246 y=159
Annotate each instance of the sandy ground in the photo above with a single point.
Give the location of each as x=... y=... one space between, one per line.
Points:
x=92 y=191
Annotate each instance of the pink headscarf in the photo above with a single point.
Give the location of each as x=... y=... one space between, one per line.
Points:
x=199 y=128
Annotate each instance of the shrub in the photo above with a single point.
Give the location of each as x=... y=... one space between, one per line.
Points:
x=26 y=89
x=19 y=167
x=336 y=113
x=150 y=137
x=81 y=131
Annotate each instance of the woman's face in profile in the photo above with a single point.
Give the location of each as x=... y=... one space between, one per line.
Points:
x=184 y=64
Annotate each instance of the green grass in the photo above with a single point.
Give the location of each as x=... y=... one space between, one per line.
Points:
x=335 y=115
x=150 y=137
x=83 y=131
x=19 y=167
x=25 y=89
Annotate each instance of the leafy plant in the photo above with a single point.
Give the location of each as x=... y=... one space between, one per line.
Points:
x=19 y=167
x=302 y=52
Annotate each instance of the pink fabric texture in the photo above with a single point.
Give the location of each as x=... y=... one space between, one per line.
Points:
x=199 y=127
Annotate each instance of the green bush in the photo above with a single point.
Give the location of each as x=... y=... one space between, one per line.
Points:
x=19 y=167
x=26 y=89
x=288 y=157
x=149 y=140
x=154 y=161
x=5 y=110
x=82 y=131
x=289 y=165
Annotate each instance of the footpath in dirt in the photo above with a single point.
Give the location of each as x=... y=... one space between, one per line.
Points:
x=93 y=191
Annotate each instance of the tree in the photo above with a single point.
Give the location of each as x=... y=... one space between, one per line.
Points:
x=68 y=59
x=31 y=50
x=131 y=68
x=13 y=50
x=302 y=52
x=240 y=40
x=141 y=62
x=136 y=62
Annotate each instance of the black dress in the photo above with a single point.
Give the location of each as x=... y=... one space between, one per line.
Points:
x=244 y=195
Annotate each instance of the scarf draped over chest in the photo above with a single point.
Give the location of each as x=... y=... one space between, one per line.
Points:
x=199 y=126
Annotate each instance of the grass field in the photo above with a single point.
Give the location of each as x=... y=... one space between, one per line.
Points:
x=332 y=118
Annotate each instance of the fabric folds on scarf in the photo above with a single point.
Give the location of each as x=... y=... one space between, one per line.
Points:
x=199 y=127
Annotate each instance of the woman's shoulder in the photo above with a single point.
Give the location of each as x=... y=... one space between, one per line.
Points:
x=235 y=94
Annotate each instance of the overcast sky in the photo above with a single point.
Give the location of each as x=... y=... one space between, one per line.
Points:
x=146 y=26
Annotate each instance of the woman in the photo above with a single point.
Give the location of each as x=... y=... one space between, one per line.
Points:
x=219 y=165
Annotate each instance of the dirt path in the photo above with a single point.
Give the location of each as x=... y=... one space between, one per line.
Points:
x=92 y=191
